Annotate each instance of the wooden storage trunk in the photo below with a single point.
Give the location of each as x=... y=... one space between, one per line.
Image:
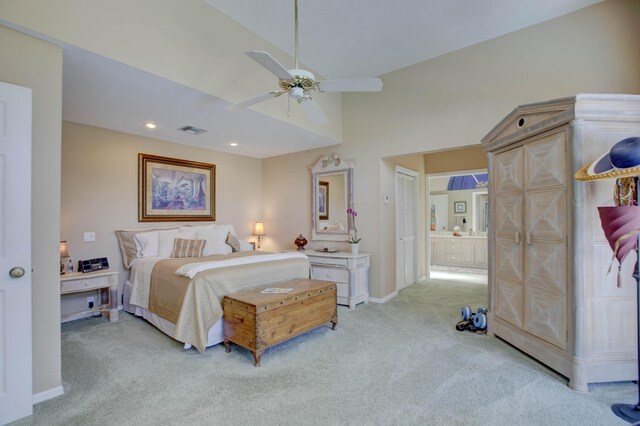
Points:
x=257 y=321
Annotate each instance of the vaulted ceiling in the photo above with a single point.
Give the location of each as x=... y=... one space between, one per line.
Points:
x=338 y=39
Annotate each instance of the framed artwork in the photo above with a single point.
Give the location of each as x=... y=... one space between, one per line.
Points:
x=323 y=200
x=459 y=206
x=172 y=190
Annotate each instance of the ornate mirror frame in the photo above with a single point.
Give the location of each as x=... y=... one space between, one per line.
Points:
x=331 y=164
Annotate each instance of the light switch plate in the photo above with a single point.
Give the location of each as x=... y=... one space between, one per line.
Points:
x=386 y=199
x=89 y=237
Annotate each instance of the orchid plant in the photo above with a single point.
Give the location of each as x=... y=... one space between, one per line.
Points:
x=353 y=239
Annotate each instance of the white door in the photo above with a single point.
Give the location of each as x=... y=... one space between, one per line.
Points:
x=16 y=396
x=406 y=217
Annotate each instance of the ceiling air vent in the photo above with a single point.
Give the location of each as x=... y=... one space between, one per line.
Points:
x=192 y=130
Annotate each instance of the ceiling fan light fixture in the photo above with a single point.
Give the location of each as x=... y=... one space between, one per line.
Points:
x=299 y=83
x=296 y=93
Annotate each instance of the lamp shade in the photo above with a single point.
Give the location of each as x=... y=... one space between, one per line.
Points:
x=63 y=249
x=258 y=231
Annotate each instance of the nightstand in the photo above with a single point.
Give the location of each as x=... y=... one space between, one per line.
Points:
x=104 y=281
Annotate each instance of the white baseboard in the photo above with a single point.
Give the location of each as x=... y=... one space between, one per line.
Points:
x=422 y=279
x=384 y=299
x=48 y=394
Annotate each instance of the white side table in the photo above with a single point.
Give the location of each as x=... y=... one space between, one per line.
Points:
x=349 y=271
x=104 y=281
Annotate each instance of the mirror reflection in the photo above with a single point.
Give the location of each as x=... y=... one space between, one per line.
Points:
x=332 y=195
x=332 y=203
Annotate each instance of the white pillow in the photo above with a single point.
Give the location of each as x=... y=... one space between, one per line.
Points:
x=148 y=243
x=195 y=228
x=245 y=245
x=187 y=233
x=165 y=242
x=216 y=240
x=227 y=228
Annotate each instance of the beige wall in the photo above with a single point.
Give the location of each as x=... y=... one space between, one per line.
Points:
x=469 y=158
x=100 y=184
x=185 y=41
x=453 y=101
x=38 y=65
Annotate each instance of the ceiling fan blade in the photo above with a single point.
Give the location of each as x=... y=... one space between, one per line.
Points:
x=312 y=109
x=351 y=85
x=255 y=100
x=269 y=62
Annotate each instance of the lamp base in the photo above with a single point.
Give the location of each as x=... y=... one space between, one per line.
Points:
x=61 y=268
x=627 y=412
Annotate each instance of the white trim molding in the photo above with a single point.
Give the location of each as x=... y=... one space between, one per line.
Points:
x=48 y=394
x=384 y=299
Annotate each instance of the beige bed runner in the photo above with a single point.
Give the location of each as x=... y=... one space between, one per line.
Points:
x=194 y=305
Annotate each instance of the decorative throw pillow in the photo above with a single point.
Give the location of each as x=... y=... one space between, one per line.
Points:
x=233 y=241
x=187 y=248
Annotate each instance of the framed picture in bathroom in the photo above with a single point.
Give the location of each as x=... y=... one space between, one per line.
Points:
x=459 y=207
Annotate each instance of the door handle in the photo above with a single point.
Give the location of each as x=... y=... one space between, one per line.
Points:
x=517 y=237
x=16 y=272
x=529 y=238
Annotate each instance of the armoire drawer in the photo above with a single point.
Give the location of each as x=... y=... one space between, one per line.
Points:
x=330 y=274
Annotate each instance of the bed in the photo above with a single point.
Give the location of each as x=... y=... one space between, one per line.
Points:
x=181 y=295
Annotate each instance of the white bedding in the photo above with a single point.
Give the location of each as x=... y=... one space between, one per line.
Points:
x=137 y=288
x=215 y=335
x=191 y=269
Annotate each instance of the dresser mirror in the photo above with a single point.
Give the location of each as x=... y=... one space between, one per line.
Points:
x=332 y=196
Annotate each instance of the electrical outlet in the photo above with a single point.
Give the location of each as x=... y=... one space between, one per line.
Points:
x=89 y=237
x=90 y=302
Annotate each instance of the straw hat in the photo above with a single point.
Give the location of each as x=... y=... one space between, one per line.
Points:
x=623 y=160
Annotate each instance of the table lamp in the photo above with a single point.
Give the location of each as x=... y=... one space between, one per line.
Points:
x=63 y=253
x=258 y=231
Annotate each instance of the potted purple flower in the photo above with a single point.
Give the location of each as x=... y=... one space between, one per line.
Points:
x=354 y=240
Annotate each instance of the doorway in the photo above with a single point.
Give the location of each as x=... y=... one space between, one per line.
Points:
x=457 y=226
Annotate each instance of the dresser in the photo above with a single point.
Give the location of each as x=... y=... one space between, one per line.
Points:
x=104 y=282
x=549 y=290
x=349 y=271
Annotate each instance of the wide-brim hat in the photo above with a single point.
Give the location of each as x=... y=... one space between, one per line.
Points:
x=623 y=160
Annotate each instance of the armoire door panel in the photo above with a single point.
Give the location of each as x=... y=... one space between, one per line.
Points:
x=509 y=259
x=545 y=316
x=508 y=171
x=545 y=162
x=508 y=215
x=546 y=266
x=509 y=301
x=545 y=214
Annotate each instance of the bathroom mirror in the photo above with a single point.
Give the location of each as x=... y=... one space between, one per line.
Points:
x=332 y=195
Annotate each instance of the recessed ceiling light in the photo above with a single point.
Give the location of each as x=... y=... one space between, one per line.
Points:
x=233 y=144
x=150 y=125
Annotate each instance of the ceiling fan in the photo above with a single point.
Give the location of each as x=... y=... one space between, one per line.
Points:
x=299 y=83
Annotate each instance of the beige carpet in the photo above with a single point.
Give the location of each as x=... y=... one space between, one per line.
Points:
x=400 y=363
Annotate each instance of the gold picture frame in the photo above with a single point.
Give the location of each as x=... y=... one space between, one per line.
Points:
x=323 y=200
x=174 y=190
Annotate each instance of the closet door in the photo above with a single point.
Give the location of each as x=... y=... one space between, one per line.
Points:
x=545 y=277
x=508 y=245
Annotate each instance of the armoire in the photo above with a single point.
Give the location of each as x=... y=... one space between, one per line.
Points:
x=550 y=292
